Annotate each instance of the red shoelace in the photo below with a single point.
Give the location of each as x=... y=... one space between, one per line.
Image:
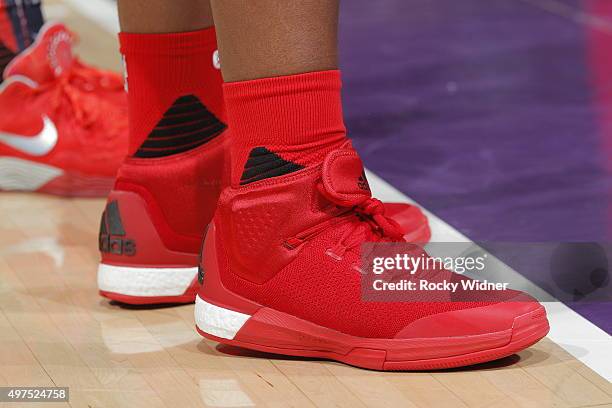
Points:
x=369 y=222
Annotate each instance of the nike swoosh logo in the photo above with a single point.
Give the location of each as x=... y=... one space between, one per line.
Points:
x=38 y=145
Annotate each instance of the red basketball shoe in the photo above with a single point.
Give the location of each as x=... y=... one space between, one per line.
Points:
x=104 y=84
x=151 y=231
x=280 y=274
x=54 y=136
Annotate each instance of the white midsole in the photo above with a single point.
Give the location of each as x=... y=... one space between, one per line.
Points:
x=218 y=321
x=25 y=175
x=145 y=282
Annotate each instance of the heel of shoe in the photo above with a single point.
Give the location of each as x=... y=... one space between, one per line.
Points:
x=212 y=289
x=219 y=313
x=137 y=266
x=218 y=321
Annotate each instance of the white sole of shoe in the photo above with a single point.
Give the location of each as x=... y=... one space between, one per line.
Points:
x=218 y=321
x=24 y=175
x=145 y=282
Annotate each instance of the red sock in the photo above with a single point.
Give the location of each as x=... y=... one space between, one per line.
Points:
x=177 y=117
x=283 y=124
x=171 y=80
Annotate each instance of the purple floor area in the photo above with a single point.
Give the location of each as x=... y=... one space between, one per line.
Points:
x=496 y=115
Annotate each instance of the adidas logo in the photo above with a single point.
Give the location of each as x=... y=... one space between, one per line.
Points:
x=112 y=234
x=362 y=182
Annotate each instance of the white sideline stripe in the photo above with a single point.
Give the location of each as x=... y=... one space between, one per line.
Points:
x=218 y=321
x=145 y=282
x=578 y=336
x=25 y=175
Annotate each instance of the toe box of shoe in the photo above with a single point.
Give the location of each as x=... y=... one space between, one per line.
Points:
x=491 y=318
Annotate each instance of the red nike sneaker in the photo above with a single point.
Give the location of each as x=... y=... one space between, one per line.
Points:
x=280 y=273
x=103 y=84
x=54 y=137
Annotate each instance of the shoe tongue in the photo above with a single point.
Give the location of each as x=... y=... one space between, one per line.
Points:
x=344 y=179
x=48 y=58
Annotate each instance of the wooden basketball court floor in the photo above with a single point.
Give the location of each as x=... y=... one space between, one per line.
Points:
x=56 y=331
